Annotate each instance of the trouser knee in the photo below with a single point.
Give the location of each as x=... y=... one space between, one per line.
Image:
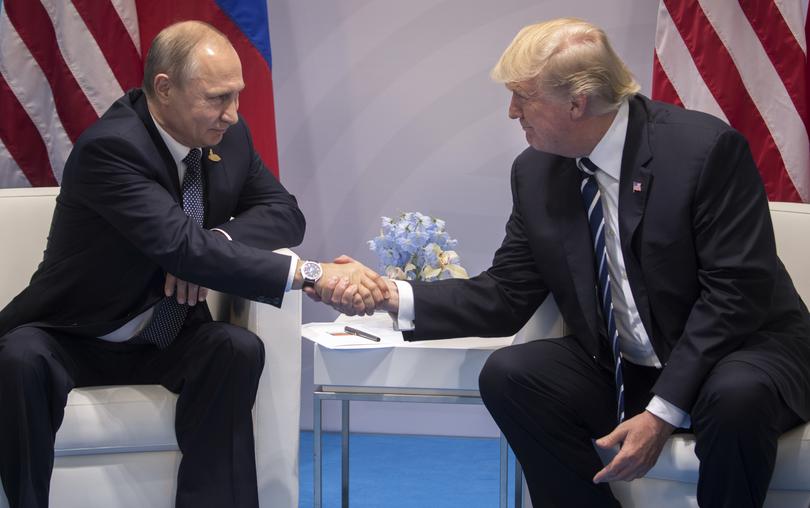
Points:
x=28 y=361
x=732 y=407
x=237 y=349
x=493 y=378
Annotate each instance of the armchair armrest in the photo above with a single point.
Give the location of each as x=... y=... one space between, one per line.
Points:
x=546 y=322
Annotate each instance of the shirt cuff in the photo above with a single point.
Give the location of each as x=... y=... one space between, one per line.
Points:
x=669 y=412
x=291 y=274
x=224 y=233
x=405 y=318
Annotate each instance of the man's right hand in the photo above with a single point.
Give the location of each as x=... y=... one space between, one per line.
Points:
x=350 y=287
x=344 y=296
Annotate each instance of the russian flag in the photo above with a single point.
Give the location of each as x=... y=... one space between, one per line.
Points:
x=63 y=62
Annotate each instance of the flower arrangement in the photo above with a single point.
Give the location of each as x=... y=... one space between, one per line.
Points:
x=416 y=247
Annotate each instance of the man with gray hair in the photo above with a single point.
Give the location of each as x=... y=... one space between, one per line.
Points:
x=649 y=225
x=162 y=198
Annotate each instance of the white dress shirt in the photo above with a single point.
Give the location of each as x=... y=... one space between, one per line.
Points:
x=634 y=342
x=178 y=152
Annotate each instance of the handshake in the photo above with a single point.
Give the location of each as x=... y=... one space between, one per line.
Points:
x=351 y=288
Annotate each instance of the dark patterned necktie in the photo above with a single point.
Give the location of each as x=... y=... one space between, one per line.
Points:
x=168 y=316
x=596 y=219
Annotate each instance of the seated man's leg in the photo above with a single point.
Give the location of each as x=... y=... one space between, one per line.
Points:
x=215 y=369
x=36 y=374
x=550 y=399
x=737 y=419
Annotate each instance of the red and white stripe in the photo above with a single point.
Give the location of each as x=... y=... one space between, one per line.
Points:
x=62 y=63
x=745 y=62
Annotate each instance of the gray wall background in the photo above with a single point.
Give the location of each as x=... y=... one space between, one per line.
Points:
x=386 y=106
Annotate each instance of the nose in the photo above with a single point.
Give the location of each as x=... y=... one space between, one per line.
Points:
x=515 y=111
x=229 y=115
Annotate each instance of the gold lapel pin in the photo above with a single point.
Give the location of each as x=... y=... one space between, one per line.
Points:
x=212 y=156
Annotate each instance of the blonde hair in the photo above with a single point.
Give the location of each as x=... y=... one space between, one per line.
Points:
x=567 y=57
x=172 y=52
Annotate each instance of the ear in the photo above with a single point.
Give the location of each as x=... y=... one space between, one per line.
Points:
x=579 y=104
x=162 y=85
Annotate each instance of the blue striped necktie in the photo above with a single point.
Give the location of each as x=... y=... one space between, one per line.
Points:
x=168 y=316
x=596 y=219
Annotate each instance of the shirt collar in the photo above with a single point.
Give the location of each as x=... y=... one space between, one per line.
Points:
x=176 y=149
x=607 y=154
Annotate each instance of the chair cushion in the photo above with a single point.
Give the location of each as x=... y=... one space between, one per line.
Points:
x=792 y=472
x=114 y=419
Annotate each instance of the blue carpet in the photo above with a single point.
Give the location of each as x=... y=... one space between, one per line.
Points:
x=397 y=471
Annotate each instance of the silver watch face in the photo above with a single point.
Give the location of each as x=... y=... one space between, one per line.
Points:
x=311 y=271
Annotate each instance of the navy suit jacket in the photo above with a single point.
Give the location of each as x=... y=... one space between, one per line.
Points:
x=698 y=247
x=119 y=227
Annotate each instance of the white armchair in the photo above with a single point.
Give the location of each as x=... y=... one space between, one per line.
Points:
x=672 y=482
x=116 y=447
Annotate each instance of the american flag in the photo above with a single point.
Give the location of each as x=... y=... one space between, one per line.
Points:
x=64 y=62
x=744 y=61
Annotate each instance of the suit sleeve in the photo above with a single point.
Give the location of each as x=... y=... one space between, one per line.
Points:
x=267 y=216
x=118 y=182
x=737 y=267
x=495 y=303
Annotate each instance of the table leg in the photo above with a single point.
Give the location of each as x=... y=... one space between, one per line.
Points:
x=518 y=484
x=504 y=474
x=317 y=481
x=344 y=447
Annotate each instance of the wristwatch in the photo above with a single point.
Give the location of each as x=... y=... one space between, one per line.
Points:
x=311 y=272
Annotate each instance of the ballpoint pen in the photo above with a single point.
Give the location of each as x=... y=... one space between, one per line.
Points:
x=361 y=333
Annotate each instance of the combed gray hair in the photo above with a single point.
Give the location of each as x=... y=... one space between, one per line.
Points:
x=172 y=50
x=568 y=57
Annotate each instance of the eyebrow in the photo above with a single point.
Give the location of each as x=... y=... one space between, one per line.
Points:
x=521 y=93
x=222 y=92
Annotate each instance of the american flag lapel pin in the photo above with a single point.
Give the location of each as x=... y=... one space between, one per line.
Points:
x=636 y=186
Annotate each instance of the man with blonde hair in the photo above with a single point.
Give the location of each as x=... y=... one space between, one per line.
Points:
x=649 y=225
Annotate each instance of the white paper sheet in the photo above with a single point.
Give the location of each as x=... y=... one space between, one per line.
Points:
x=332 y=336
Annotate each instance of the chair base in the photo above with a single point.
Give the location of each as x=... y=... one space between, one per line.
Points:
x=121 y=480
x=646 y=492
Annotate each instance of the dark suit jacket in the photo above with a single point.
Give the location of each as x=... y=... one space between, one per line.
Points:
x=119 y=226
x=698 y=247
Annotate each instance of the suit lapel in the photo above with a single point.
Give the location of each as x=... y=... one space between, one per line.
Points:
x=565 y=205
x=168 y=177
x=634 y=187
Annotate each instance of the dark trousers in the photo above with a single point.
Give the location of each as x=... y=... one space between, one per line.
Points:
x=551 y=400
x=213 y=367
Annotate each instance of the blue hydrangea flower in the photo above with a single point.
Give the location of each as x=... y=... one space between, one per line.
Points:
x=415 y=246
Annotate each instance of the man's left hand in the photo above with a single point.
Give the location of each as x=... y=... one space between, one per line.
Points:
x=186 y=292
x=641 y=438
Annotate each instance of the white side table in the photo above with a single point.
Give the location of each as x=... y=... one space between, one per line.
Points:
x=439 y=372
